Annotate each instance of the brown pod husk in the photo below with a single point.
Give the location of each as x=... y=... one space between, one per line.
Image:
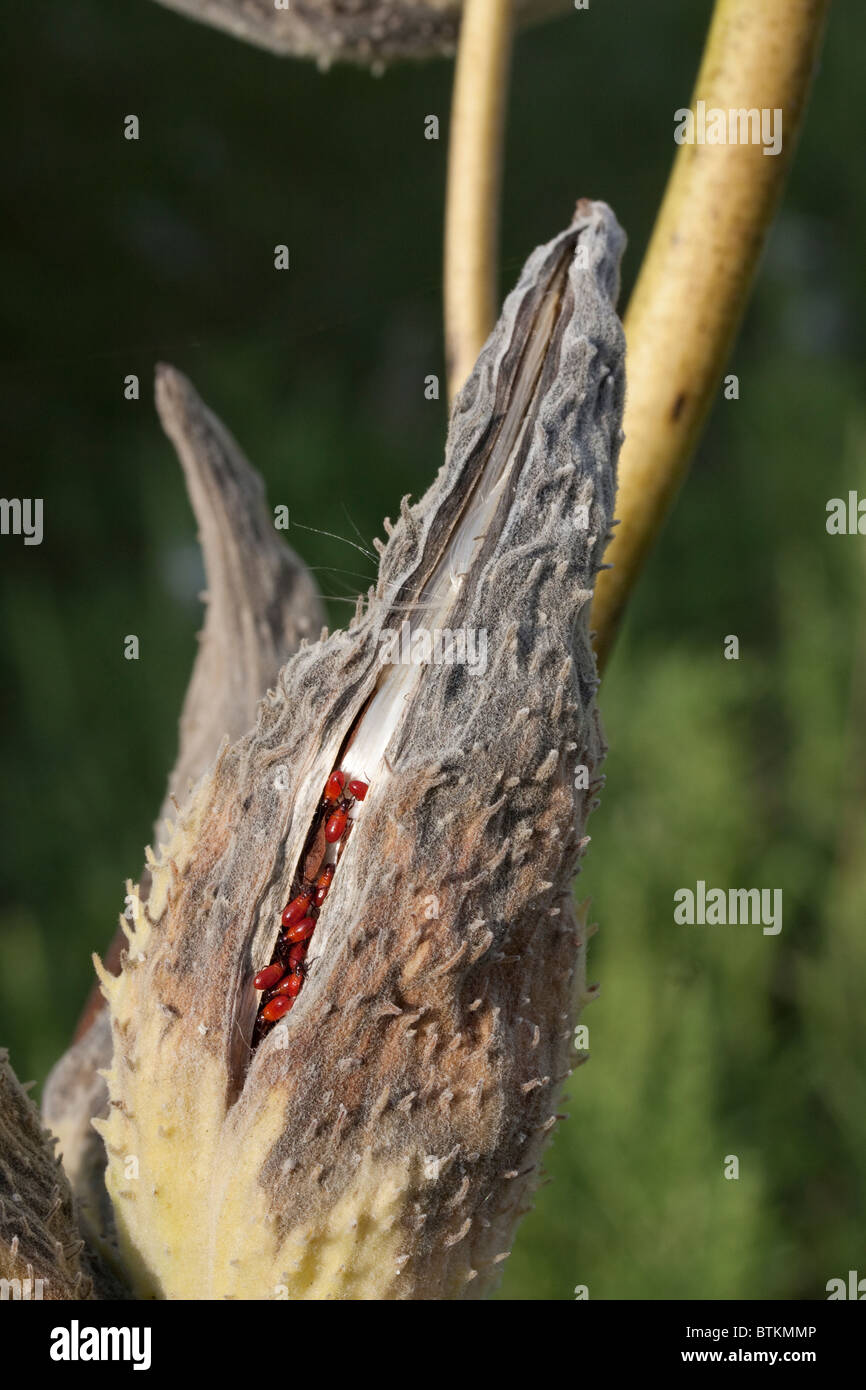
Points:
x=383 y=1139
x=262 y=603
x=42 y=1252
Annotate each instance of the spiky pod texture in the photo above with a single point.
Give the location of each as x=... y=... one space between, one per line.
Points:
x=42 y=1252
x=382 y=1141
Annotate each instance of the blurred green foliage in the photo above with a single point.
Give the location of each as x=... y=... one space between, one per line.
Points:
x=706 y=1041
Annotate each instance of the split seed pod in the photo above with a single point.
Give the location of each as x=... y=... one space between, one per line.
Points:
x=382 y=1139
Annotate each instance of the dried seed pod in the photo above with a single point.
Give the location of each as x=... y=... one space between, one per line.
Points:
x=42 y=1253
x=74 y=1093
x=383 y=1139
x=371 y=32
x=262 y=603
x=262 y=600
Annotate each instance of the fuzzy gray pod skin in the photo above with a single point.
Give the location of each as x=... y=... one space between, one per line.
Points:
x=262 y=603
x=368 y=32
x=384 y=1138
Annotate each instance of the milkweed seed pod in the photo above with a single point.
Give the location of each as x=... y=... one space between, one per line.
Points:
x=42 y=1253
x=383 y=1137
x=262 y=603
x=360 y=31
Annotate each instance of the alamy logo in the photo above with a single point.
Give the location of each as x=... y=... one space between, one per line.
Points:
x=846 y=518
x=76 y=1343
x=737 y=906
x=738 y=126
x=22 y=516
x=441 y=647
x=855 y=1288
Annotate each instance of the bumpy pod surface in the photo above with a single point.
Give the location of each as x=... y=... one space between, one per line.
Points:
x=382 y=1140
x=261 y=604
x=42 y=1253
x=359 y=31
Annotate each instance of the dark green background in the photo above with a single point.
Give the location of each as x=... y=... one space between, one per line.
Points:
x=706 y=1041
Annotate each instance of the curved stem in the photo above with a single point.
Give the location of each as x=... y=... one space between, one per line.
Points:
x=474 y=177
x=697 y=273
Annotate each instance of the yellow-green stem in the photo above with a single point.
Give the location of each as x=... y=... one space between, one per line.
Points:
x=697 y=272
x=474 y=175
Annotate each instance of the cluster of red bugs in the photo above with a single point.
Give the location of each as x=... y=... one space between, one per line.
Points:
x=282 y=981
